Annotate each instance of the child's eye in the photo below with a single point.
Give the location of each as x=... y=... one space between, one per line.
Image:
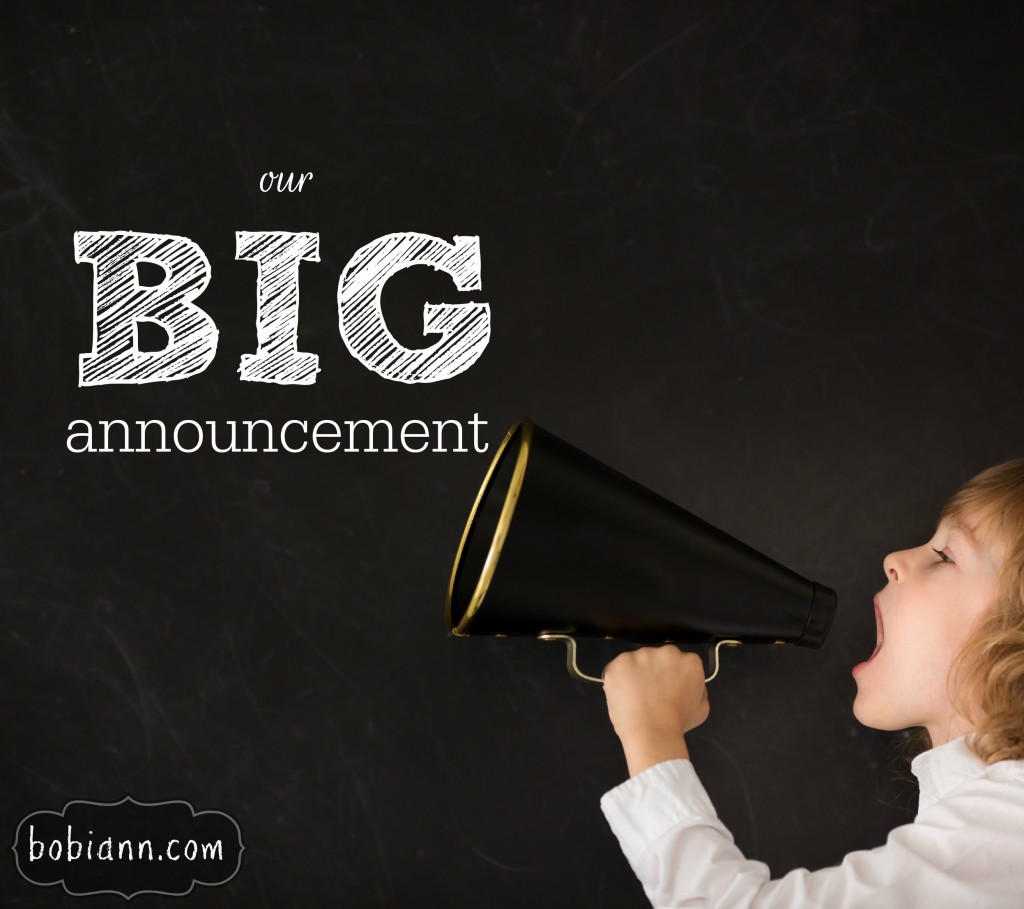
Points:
x=943 y=558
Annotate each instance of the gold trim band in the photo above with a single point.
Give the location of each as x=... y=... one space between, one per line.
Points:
x=501 y=531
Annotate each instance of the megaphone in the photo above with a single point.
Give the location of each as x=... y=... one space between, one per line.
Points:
x=558 y=545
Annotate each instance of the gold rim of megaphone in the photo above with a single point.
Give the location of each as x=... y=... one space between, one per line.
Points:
x=504 y=520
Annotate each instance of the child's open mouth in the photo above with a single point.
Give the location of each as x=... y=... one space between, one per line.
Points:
x=878 y=644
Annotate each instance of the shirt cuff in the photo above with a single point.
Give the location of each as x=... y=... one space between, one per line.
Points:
x=645 y=807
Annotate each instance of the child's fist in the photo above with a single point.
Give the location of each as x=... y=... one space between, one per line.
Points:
x=654 y=695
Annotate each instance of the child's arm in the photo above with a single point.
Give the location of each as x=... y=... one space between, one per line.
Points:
x=966 y=850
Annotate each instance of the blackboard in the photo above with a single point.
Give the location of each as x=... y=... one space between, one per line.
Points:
x=763 y=258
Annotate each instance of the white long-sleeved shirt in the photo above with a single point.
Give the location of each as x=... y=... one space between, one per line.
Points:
x=964 y=850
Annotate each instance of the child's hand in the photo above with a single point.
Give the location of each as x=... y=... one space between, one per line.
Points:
x=654 y=695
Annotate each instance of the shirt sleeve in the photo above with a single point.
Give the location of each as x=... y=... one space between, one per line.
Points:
x=967 y=850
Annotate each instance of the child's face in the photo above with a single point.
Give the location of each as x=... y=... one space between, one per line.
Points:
x=926 y=612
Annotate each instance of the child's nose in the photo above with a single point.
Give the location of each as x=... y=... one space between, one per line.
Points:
x=893 y=566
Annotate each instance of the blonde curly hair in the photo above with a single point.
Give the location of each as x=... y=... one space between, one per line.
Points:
x=989 y=670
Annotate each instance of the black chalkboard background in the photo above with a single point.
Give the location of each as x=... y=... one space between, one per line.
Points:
x=765 y=258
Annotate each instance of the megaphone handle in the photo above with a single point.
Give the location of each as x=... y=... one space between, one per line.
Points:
x=728 y=643
x=570 y=657
x=574 y=670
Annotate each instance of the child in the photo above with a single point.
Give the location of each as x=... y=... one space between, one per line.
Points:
x=950 y=659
